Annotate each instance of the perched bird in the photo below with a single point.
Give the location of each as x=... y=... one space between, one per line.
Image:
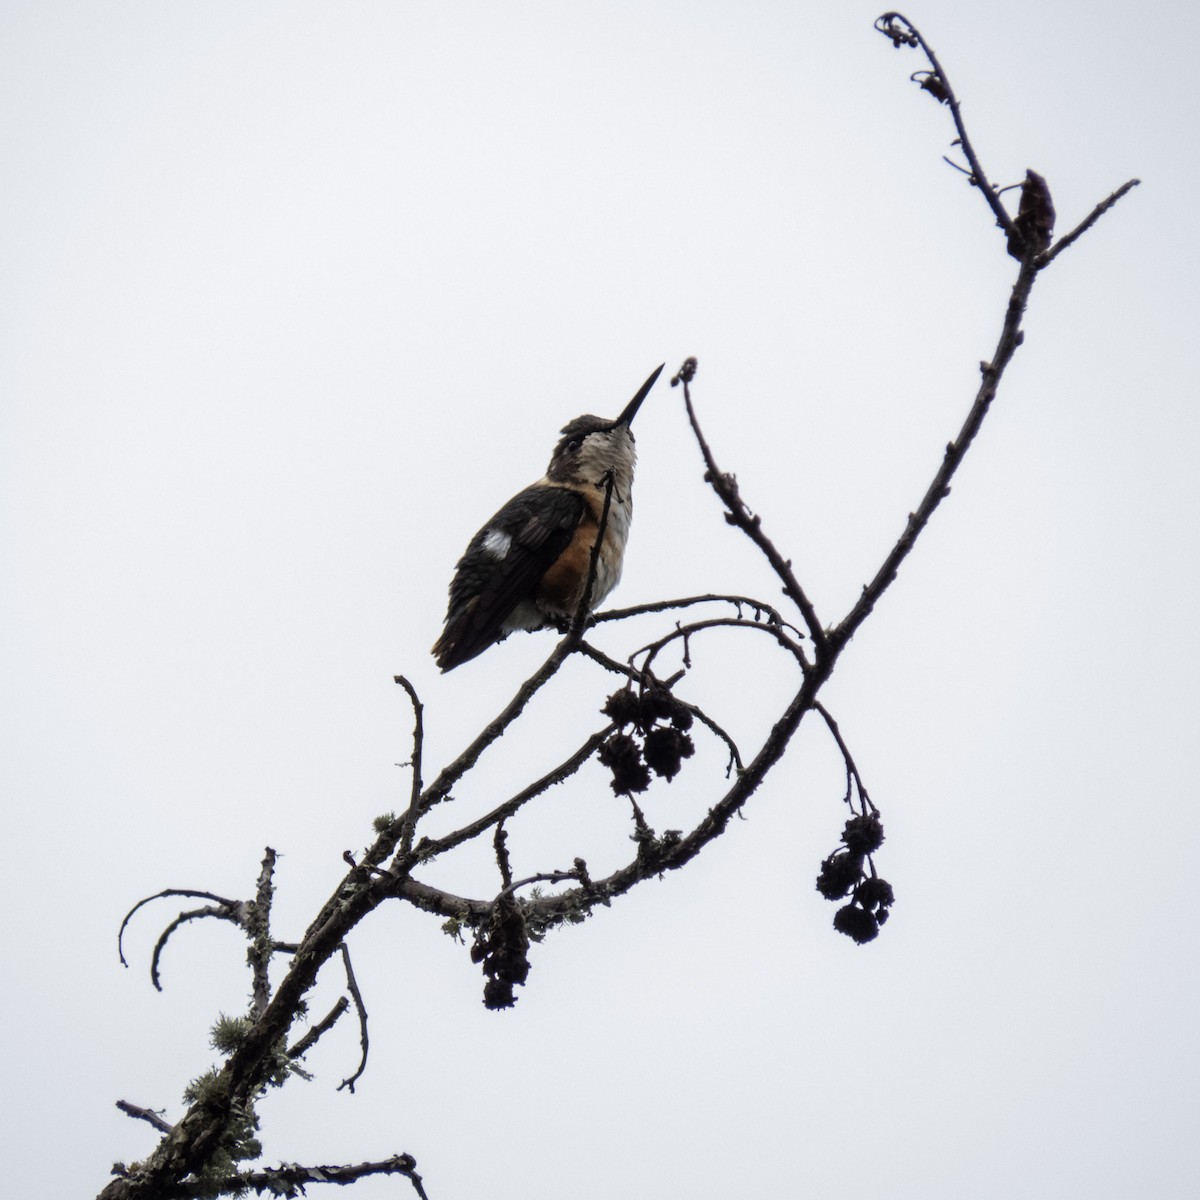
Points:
x=529 y=564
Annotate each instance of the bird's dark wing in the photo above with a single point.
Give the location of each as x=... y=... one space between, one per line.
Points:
x=503 y=566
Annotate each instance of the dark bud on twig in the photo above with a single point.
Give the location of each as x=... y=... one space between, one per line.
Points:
x=503 y=949
x=658 y=741
x=856 y=923
x=863 y=834
x=686 y=373
x=840 y=874
x=664 y=749
x=1034 y=225
x=623 y=757
x=932 y=83
x=875 y=893
x=623 y=707
x=658 y=704
x=893 y=25
x=681 y=718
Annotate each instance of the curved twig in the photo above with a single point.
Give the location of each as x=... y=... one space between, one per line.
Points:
x=190 y=893
x=410 y=815
x=665 y=854
x=852 y=774
x=640 y=678
x=657 y=606
x=361 y=1009
x=652 y=649
x=184 y=917
x=903 y=32
x=738 y=513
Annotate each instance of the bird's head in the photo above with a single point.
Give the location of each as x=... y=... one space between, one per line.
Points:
x=590 y=446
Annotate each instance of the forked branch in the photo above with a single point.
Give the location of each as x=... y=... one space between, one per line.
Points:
x=646 y=733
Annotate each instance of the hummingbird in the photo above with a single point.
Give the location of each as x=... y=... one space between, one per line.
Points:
x=529 y=565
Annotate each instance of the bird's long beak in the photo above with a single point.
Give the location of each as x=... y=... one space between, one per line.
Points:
x=626 y=418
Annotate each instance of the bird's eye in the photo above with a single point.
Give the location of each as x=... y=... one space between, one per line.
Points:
x=574 y=445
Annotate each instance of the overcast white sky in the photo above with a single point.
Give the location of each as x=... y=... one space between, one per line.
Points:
x=295 y=295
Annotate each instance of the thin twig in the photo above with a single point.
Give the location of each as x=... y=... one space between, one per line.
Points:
x=440 y=788
x=939 y=489
x=145 y=1114
x=309 y=1040
x=184 y=917
x=737 y=513
x=190 y=893
x=652 y=649
x=1046 y=258
x=410 y=814
x=852 y=772
x=361 y=1009
x=583 y=609
x=909 y=34
x=285 y=1179
x=664 y=855
x=739 y=602
x=541 y=877
x=429 y=848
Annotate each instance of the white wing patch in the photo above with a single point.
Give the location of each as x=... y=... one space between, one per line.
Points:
x=497 y=543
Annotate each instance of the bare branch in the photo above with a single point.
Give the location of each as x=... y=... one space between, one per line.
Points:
x=439 y=790
x=847 y=758
x=653 y=649
x=737 y=513
x=310 y=1039
x=190 y=893
x=410 y=815
x=145 y=1114
x=654 y=857
x=903 y=32
x=504 y=924
x=582 y=610
x=361 y=1009
x=184 y=917
x=290 y=1179
x=258 y=929
x=428 y=848
x=939 y=489
x=541 y=877
x=758 y=607
x=1045 y=259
